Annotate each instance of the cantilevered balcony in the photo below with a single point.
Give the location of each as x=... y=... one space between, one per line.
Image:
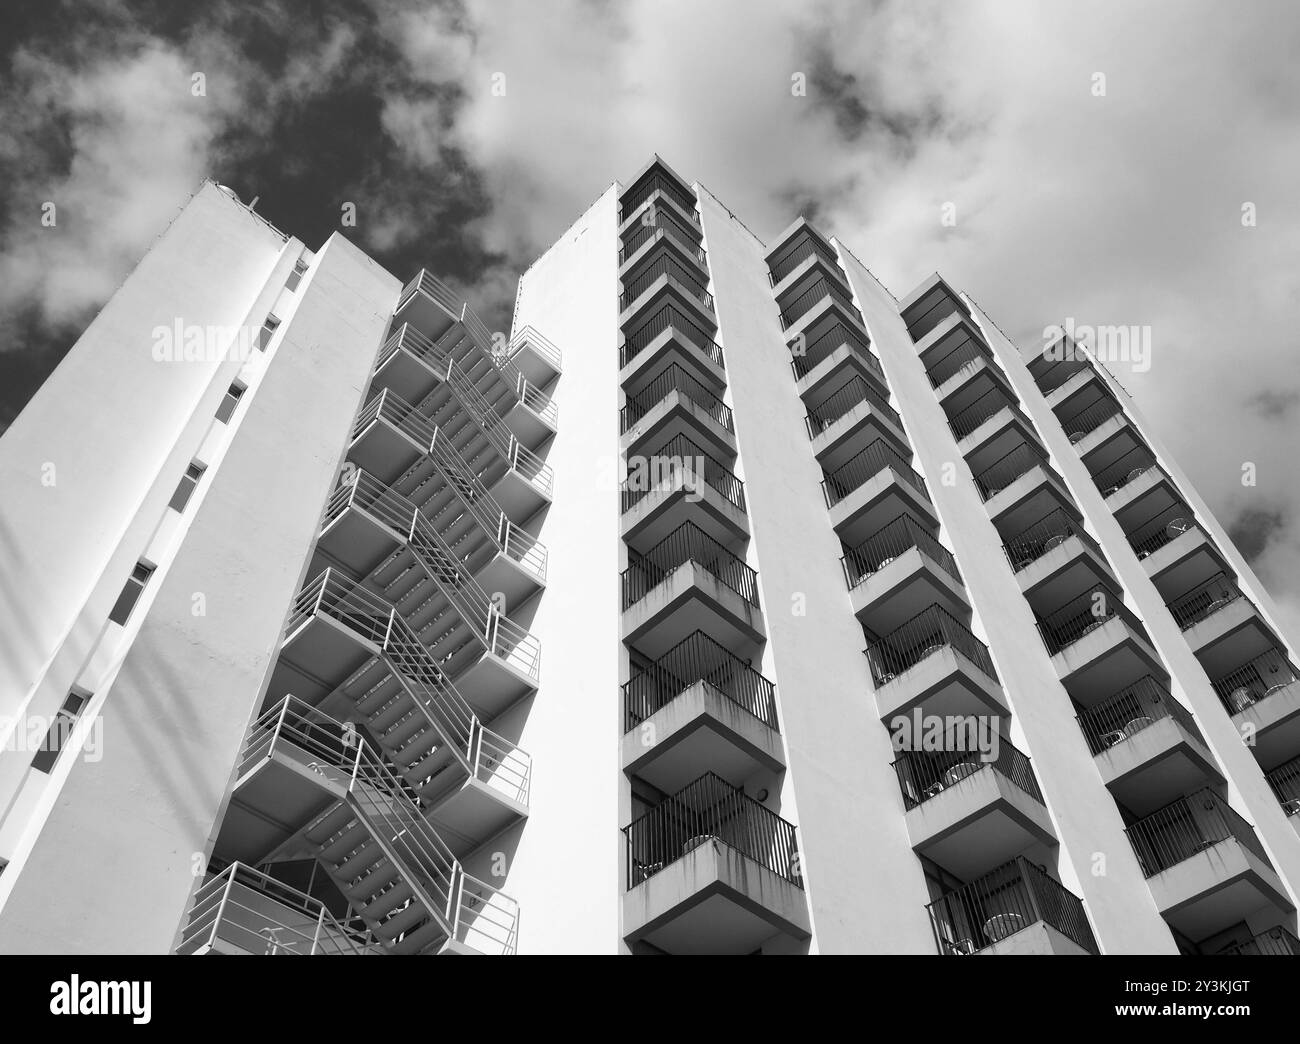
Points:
x=1220 y=623
x=1276 y=942
x=1262 y=694
x=1055 y=555
x=1097 y=644
x=654 y=185
x=970 y=810
x=1058 y=363
x=712 y=871
x=991 y=426
x=1206 y=868
x=1175 y=551
x=1147 y=746
x=806 y=302
x=1016 y=909
x=874 y=488
x=308 y=784
x=676 y=482
x=662 y=276
x=243 y=911
x=802 y=254
x=536 y=358
x=688 y=582
x=951 y=347
x=1285 y=781
x=676 y=403
x=664 y=231
x=1135 y=487
x=1021 y=487
x=849 y=419
x=828 y=354
x=934 y=661
x=897 y=572
x=929 y=305
x=698 y=704
x=670 y=335
x=1102 y=433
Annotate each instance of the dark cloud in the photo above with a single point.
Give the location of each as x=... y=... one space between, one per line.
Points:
x=1254 y=529
x=1274 y=405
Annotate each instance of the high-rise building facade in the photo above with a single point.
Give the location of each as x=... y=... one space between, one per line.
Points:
x=862 y=630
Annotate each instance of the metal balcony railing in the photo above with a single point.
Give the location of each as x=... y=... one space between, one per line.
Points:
x=251 y=911
x=679 y=461
x=1061 y=370
x=966 y=355
x=1203 y=600
x=1085 y=422
x=669 y=317
x=890 y=541
x=1129 y=711
x=923 y=774
x=527 y=337
x=498 y=634
x=674 y=379
x=1081 y=614
x=664 y=264
x=865 y=466
x=1276 y=942
x=1285 y=782
x=806 y=246
x=664 y=227
x=469 y=910
x=1255 y=680
x=538 y=401
x=928 y=632
x=1135 y=463
x=1007 y=900
x=697 y=658
x=853 y=393
x=686 y=543
x=646 y=188
x=1048 y=533
x=820 y=289
x=1150 y=537
x=806 y=357
x=482 y=753
x=1187 y=827
x=710 y=809
x=428 y=284
x=992 y=402
x=993 y=479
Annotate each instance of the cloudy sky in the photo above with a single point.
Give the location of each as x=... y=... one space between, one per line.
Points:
x=470 y=134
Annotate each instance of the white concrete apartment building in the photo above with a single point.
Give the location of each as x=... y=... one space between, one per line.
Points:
x=767 y=613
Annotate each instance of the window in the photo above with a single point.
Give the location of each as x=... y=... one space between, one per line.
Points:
x=131 y=592
x=267 y=332
x=295 y=277
x=60 y=730
x=229 y=403
x=186 y=487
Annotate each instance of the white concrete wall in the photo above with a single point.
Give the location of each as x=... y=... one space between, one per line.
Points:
x=563 y=866
x=865 y=886
x=112 y=866
x=1086 y=820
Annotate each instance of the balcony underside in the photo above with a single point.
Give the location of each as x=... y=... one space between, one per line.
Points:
x=1074 y=564
x=901 y=587
x=667 y=289
x=1185 y=562
x=1274 y=718
x=675 y=415
x=798 y=276
x=945 y=682
x=948 y=335
x=831 y=374
x=875 y=503
x=700 y=726
x=827 y=310
x=687 y=600
x=425 y=314
x=1084 y=378
x=515 y=582
x=853 y=432
x=1231 y=633
x=317 y=657
x=672 y=346
x=1144 y=496
x=713 y=900
x=1039 y=939
x=1027 y=498
x=996 y=437
x=519 y=497
x=971 y=383
x=383 y=451
x=538 y=368
x=1104 y=660
x=662 y=511
x=529 y=426
x=1152 y=764
x=1109 y=442
x=406 y=375
x=1216 y=888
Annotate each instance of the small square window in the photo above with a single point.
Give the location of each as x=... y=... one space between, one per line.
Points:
x=59 y=731
x=229 y=402
x=267 y=332
x=295 y=277
x=131 y=593
x=186 y=487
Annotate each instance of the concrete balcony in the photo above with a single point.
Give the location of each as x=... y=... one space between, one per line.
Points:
x=971 y=810
x=1098 y=646
x=1147 y=746
x=985 y=437
x=699 y=704
x=933 y=661
x=429 y=305
x=660 y=191
x=676 y=404
x=1205 y=866
x=801 y=250
x=1263 y=696
x=1082 y=378
x=689 y=582
x=677 y=286
x=977 y=378
x=832 y=353
x=1015 y=909
x=540 y=361
x=849 y=421
x=1020 y=488
x=1102 y=435
x=1220 y=623
x=929 y=305
x=820 y=300
x=670 y=336
x=949 y=344
x=1055 y=557
x=1136 y=490
x=677 y=483
x=712 y=871
x=667 y=233
x=873 y=489
x=1177 y=554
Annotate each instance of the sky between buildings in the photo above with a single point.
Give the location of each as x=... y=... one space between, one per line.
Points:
x=1111 y=163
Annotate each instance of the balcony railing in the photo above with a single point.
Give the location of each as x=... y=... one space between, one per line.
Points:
x=968 y=354
x=643 y=190
x=665 y=264
x=808 y=245
x=821 y=288
x=928 y=632
x=1135 y=463
x=923 y=774
x=1152 y=536
x=1060 y=371
x=1081 y=614
x=664 y=226
x=1006 y=469
x=1034 y=541
x=679 y=461
x=528 y=337
x=890 y=541
x=669 y=317
x=1085 y=422
x=686 y=543
x=1129 y=711
x=710 y=809
x=674 y=379
x=836 y=335
x=1276 y=942
x=992 y=402
x=1285 y=781
x=253 y=912
x=852 y=394
x=1187 y=827
x=1011 y=898
x=697 y=658
x=1203 y=600
x=1255 y=680
x=865 y=466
